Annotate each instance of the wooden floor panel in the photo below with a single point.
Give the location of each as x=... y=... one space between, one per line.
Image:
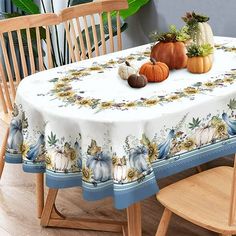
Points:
x=18 y=211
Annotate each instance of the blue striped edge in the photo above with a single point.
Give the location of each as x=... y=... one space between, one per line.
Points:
x=15 y=158
x=34 y=167
x=63 y=180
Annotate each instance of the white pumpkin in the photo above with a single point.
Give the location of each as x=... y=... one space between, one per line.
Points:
x=125 y=70
x=204 y=34
x=60 y=161
x=204 y=136
x=120 y=172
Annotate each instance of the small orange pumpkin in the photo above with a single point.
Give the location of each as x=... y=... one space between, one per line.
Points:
x=154 y=71
x=199 y=65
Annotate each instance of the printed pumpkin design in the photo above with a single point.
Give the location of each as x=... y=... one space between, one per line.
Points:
x=98 y=162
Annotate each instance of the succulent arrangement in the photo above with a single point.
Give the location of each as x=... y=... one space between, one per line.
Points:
x=203 y=50
x=199 y=58
x=173 y=35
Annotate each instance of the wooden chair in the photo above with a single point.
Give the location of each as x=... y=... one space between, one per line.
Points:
x=80 y=48
x=26 y=32
x=81 y=29
x=207 y=199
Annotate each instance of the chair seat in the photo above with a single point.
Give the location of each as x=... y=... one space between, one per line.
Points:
x=5 y=117
x=203 y=199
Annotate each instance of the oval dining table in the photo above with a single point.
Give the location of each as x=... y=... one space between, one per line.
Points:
x=82 y=125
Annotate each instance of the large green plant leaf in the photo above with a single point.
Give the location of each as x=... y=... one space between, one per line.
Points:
x=28 y=6
x=134 y=6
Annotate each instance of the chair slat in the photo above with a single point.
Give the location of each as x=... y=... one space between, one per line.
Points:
x=119 y=41
x=88 y=42
x=4 y=105
x=30 y=49
x=8 y=67
x=6 y=88
x=77 y=51
x=39 y=49
x=80 y=14
x=22 y=53
x=95 y=38
x=110 y=32
x=72 y=56
x=104 y=50
x=14 y=60
x=81 y=41
x=49 y=53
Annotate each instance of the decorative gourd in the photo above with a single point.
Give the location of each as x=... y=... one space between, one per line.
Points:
x=126 y=70
x=15 y=136
x=154 y=71
x=120 y=170
x=198 y=28
x=137 y=81
x=199 y=58
x=171 y=48
x=204 y=136
x=100 y=164
x=138 y=159
x=59 y=161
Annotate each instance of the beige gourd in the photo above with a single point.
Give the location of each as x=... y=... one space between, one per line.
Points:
x=198 y=28
x=125 y=70
x=204 y=34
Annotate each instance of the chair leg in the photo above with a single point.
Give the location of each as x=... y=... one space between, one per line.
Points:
x=2 y=152
x=40 y=193
x=164 y=223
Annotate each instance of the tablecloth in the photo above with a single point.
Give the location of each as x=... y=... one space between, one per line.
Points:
x=84 y=126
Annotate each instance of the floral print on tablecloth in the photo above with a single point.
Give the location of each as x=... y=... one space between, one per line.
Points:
x=63 y=90
x=100 y=163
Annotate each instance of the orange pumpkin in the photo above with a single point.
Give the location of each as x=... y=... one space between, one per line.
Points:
x=154 y=71
x=199 y=65
x=173 y=54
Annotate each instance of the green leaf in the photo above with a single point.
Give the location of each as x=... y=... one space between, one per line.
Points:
x=232 y=104
x=28 y=6
x=195 y=123
x=134 y=6
x=77 y=2
x=52 y=139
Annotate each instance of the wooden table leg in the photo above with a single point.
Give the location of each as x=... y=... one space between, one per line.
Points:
x=51 y=217
x=40 y=193
x=134 y=220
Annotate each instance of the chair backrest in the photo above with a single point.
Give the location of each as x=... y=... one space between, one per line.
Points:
x=82 y=31
x=26 y=33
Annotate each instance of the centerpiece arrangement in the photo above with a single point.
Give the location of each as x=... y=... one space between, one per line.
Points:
x=191 y=47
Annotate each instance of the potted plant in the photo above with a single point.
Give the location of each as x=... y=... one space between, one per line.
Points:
x=170 y=48
x=199 y=58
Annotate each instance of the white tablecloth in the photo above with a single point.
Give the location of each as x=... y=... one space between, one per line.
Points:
x=84 y=126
